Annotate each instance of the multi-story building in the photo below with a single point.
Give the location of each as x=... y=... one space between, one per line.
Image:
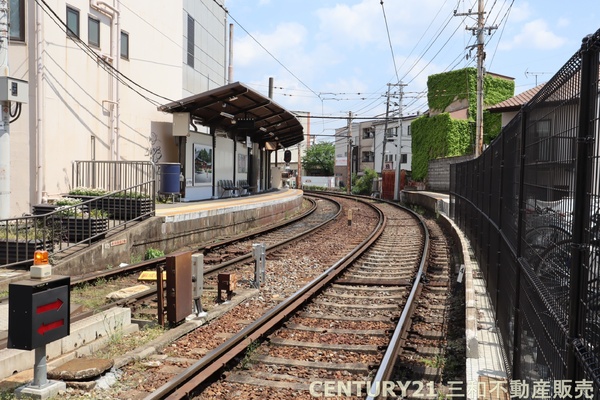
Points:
x=97 y=70
x=370 y=150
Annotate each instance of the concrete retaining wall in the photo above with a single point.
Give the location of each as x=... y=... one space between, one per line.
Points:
x=177 y=232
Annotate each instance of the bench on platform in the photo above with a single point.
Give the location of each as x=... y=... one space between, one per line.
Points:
x=228 y=187
x=245 y=186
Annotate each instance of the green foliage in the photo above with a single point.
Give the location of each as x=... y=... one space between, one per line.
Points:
x=364 y=184
x=67 y=208
x=445 y=88
x=441 y=136
x=153 y=253
x=437 y=137
x=319 y=159
x=82 y=191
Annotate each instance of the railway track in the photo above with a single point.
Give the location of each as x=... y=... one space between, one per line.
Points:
x=344 y=326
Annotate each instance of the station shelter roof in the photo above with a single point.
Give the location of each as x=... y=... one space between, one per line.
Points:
x=241 y=112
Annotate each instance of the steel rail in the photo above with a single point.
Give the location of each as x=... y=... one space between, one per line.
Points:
x=272 y=248
x=153 y=263
x=195 y=375
x=394 y=347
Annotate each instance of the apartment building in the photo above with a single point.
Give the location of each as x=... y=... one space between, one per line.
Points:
x=369 y=150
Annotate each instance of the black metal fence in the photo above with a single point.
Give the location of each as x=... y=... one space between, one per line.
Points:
x=530 y=205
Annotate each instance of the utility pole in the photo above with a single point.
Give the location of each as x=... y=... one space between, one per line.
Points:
x=385 y=127
x=349 y=155
x=399 y=137
x=4 y=118
x=479 y=31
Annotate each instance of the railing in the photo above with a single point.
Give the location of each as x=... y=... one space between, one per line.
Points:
x=111 y=175
x=530 y=205
x=58 y=229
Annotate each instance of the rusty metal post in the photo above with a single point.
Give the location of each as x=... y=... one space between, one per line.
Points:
x=160 y=295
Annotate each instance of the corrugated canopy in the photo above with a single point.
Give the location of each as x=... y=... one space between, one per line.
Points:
x=240 y=111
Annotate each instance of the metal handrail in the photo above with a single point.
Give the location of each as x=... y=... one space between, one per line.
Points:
x=69 y=226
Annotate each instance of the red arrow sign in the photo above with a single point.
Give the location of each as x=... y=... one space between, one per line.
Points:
x=52 y=325
x=55 y=305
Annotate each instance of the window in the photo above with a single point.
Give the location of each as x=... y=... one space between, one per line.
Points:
x=125 y=45
x=368 y=156
x=72 y=22
x=190 y=41
x=17 y=20
x=403 y=158
x=93 y=32
x=368 y=133
x=408 y=130
x=544 y=141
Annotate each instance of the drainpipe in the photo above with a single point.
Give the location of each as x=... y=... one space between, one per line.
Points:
x=115 y=56
x=41 y=194
x=5 y=171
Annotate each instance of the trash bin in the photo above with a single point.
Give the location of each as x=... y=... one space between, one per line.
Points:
x=169 y=178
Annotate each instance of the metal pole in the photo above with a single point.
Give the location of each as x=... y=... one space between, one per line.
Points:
x=349 y=155
x=399 y=137
x=385 y=128
x=4 y=119
x=230 y=66
x=581 y=207
x=40 y=370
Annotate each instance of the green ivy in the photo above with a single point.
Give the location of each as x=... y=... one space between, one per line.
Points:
x=437 y=137
x=441 y=136
x=448 y=87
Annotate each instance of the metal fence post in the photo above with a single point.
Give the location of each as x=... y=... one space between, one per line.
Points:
x=516 y=366
x=581 y=205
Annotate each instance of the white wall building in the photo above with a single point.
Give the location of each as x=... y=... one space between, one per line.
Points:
x=94 y=90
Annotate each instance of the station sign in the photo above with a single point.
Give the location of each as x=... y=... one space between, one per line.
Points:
x=38 y=312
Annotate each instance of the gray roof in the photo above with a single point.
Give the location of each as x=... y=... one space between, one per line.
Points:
x=241 y=111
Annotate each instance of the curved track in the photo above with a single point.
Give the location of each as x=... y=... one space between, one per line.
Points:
x=340 y=325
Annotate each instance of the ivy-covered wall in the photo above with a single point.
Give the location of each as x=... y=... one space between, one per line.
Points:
x=437 y=137
x=441 y=136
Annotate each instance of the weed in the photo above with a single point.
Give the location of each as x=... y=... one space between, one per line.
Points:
x=247 y=360
x=436 y=362
x=135 y=258
x=153 y=253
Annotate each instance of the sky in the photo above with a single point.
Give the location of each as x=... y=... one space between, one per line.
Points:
x=331 y=58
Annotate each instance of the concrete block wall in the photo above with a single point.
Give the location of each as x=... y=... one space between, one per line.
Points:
x=438 y=173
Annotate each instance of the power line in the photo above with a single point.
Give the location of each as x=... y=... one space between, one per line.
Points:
x=265 y=49
x=387 y=29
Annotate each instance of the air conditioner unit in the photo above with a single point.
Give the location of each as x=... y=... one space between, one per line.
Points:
x=388 y=165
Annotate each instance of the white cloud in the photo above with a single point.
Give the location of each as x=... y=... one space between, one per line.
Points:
x=534 y=35
x=285 y=39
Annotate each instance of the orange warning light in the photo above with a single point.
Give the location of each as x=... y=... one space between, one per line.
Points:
x=40 y=257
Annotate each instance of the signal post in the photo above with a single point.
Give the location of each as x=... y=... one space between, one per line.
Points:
x=39 y=313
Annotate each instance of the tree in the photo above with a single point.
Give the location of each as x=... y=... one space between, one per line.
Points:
x=319 y=159
x=364 y=184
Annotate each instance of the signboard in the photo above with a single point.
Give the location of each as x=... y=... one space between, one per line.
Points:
x=38 y=312
x=341 y=161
